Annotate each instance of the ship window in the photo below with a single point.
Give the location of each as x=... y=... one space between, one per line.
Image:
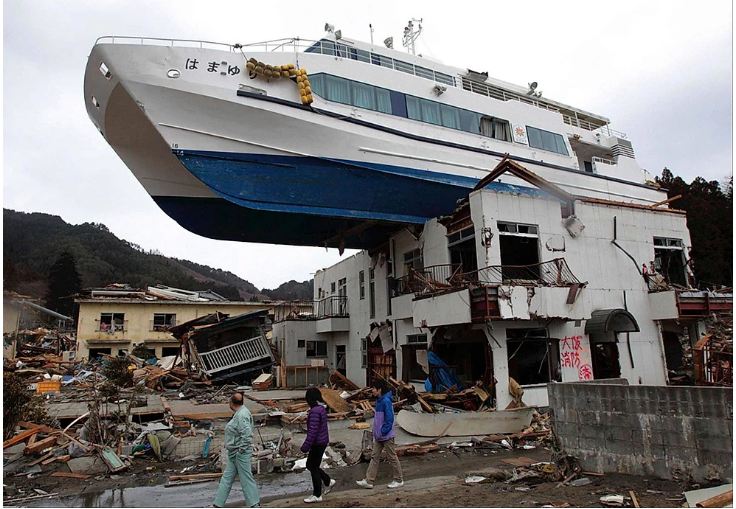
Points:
x=337 y=89
x=383 y=100
x=495 y=128
x=546 y=140
x=362 y=95
x=450 y=116
x=469 y=121
x=403 y=67
x=424 y=72
x=105 y=71
x=444 y=78
x=95 y=102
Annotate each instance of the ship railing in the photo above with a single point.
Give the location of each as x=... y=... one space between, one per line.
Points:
x=592 y=126
x=291 y=44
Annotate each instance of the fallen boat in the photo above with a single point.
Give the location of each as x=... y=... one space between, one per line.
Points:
x=464 y=423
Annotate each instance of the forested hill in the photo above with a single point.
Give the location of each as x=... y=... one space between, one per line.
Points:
x=32 y=242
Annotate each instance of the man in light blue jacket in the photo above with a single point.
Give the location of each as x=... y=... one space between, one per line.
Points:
x=383 y=438
x=239 y=447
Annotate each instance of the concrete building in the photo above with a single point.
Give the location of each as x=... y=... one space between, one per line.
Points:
x=118 y=318
x=523 y=281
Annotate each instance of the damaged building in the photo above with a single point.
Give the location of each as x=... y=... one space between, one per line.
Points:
x=524 y=281
x=118 y=318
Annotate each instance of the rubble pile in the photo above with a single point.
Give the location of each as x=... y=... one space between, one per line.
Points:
x=713 y=353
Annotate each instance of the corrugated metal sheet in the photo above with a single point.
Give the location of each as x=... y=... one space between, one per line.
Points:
x=602 y=322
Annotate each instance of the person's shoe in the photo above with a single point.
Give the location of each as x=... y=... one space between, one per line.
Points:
x=329 y=487
x=395 y=484
x=311 y=499
x=364 y=484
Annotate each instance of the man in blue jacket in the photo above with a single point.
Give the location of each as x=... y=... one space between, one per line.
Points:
x=383 y=438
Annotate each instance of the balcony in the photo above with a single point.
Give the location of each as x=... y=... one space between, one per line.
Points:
x=332 y=314
x=680 y=304
x=527 y=292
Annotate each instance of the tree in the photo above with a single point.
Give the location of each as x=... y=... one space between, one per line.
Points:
x=64 y=281
x=709 y=209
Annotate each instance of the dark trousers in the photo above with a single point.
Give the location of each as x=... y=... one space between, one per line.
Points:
x=318 y=475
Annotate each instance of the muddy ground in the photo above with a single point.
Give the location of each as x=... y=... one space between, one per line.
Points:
x=433 y=480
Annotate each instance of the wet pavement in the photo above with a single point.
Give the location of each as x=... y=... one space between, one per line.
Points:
x=194 y=495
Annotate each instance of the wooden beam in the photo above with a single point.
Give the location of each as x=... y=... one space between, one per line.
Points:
x=665 y=202
x=40 y=445
x=71 y=475
x=20 y=437
x=722 y=500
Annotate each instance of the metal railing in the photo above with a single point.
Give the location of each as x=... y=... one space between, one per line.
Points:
x=503 y=95
x=428 y=279
x=332 y=307
x=592 y=126
x=230 y=356
x=554 y=272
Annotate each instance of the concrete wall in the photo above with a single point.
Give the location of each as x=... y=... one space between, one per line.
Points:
x=139 y=317
x=660 y=431
x=11 y=316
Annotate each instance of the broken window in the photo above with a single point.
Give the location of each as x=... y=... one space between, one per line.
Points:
x=413 y=260
x=99 y=352
x=162 y=321
x=316 y=348
x=669 y=260
x=361 y=284
x=519 y=244
x=341 y=359
x=363 y=352
x=112 y=322
x=372 y=291
x=300 y=343
x=461 y=245
x=411 y=369
x=604 y=356
x=168 y=351
x=534 y=358
x=332 y=288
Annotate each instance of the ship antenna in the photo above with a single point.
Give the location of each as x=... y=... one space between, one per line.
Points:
x=370 y=27
x=411 y=34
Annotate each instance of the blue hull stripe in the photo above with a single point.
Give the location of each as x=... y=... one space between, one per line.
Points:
x=333 y=187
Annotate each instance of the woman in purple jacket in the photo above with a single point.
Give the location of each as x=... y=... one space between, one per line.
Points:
x=318 y=438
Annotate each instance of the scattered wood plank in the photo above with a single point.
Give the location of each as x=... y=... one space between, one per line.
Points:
x=20 y=437
x=634 y=500
x=71 y=475
x=41 y=459
x=721 y=500
x=343 y=381
x=333 y=400
x=40 y=445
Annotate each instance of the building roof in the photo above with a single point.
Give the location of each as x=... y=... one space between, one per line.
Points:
x=159 y=294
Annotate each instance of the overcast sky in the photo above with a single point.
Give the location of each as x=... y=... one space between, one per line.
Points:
x=661 y=71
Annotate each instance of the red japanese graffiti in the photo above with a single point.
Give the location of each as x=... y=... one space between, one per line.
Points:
x=570 y=349
x=585 y=372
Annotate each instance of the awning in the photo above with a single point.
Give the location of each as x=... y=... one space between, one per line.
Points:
x=603 y=322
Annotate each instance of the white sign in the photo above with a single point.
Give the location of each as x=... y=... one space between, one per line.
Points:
x=520 y=134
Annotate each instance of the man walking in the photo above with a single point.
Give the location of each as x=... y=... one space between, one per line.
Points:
x=239 y=447
x=383 y=438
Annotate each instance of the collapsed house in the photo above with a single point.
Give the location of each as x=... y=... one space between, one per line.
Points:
x=226 y=348
x=523 y=281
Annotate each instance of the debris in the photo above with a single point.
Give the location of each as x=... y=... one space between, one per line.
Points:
x=71 y=475
x=695 y=498
x=113 y=461
x=612 y=500
x=475 y=479
x=583 y=481
x=87 y=465
x=464 y=424
x=333 y=400
x=633 y=498
x=359 y=425
x=521 y=461
x=263 y=382
x=40 y=445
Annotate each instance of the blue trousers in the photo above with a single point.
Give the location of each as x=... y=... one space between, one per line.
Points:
x=238 y=463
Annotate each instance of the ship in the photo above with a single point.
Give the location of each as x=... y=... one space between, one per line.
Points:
x=334 y=142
